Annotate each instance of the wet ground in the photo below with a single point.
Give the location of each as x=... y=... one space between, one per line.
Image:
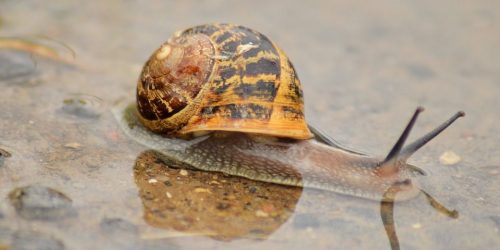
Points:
x=70 y=179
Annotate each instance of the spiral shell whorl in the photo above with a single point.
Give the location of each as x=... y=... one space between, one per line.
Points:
x=252 y=87
x=172 y=81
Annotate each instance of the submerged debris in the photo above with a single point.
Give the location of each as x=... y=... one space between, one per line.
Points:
x=83 y=106
x=3 y=154
x=41 y=203
x=39 y=47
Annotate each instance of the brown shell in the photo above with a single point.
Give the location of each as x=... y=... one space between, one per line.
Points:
x=221 y=77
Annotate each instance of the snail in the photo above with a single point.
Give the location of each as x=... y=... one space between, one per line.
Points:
x=225 y=98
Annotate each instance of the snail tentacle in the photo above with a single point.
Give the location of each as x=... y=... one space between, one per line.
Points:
x=409 y=150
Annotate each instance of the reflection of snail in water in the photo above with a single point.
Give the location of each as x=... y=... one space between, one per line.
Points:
x=235 y=81
x=211 y=204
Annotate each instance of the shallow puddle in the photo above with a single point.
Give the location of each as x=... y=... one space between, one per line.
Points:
x=70 y=178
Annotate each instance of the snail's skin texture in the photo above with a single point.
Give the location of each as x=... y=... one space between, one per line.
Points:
x=303 y=163
x=221 y=77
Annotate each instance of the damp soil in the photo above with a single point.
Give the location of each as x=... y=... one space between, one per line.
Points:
x=70 y=179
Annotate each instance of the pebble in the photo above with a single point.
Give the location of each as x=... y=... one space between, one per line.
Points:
x=152 y=181
x=214 y=182
x=73 y=145
x=202 y=190
x=260 y=213
x=4 y=153
x=449 y=158
x=183 y=172
x=169 y=195
x=35 y=240
x=223 y=206
x=252 y=189
x=41 y=203
x=416 y=226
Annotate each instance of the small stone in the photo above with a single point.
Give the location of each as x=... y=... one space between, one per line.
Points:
x=73 y=145
x=41 y=203
x=169 y=195
x=4 y=153
x=223 y=206
x=183 y=172
x=449 y=158
x=416 y=226
x=252 y=189
x=152 y=181
x=35 y=240
x=202 y=190
x=260 y=213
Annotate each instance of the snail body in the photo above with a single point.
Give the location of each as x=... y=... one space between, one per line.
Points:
x=237 y=97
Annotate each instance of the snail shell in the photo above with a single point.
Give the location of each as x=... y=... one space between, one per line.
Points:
x=221 y=77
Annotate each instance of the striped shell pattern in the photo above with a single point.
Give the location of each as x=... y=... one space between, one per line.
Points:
x=221 y=77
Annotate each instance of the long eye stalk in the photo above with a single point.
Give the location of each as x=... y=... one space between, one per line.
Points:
x=402 y=139
x=400 y=153
x=407 y=151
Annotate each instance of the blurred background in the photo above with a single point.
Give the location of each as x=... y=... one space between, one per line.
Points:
x=364 y=67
